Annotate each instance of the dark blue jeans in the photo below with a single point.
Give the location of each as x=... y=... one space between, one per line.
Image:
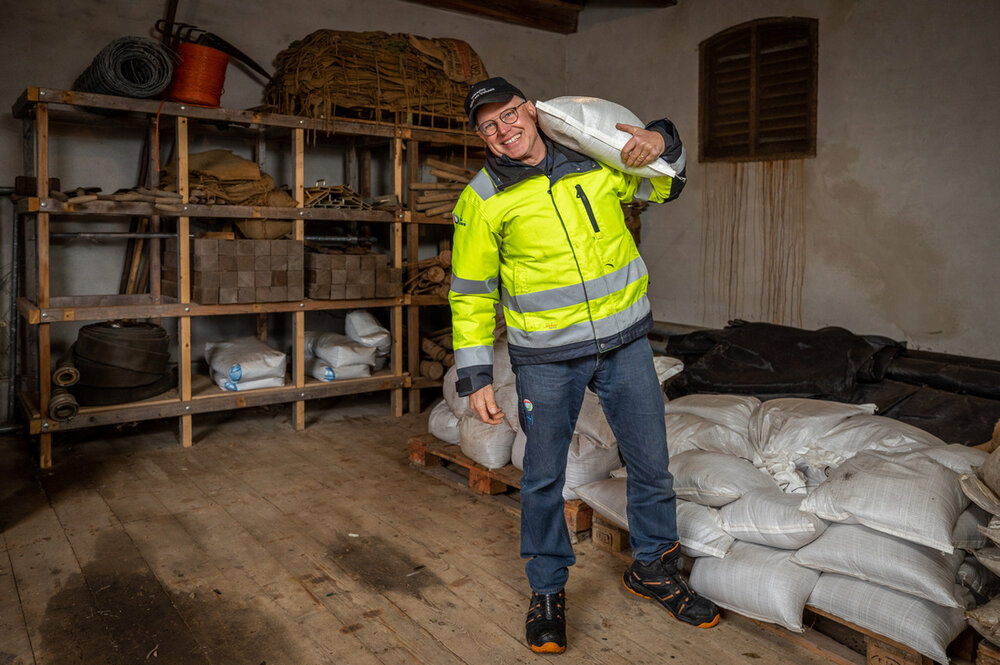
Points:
x=549 y=399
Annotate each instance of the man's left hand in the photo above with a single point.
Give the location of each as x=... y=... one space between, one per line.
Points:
x=643 y=148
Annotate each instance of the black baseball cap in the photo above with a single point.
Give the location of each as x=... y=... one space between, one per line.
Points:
x=496 y=89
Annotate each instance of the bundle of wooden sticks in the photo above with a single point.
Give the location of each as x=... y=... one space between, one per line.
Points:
x=439 y=198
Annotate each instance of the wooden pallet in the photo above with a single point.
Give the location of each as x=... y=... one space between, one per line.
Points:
x=427 y=451
x=988 y=654
x=841 y=641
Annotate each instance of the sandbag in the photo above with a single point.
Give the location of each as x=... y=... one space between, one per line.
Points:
x=914 y=622
x=486 y=444
x=715 y=479
x=587 y=125
x=459 y=405
x=860 y=552
x=361 y=326
x=985 y=619
x=323 y=371
x=770 y=518
x=517 y=450
x=244 y=359
x=756 y=581
x=732 y=411
x=442 y=423
x=667 y=367
x=247 y=384
x=338 y=350
x=592 y=422
x=781 y=428
x=587 y=461
x=686 y=431
x=967 y=535
x=907 y=495
x=506 y=399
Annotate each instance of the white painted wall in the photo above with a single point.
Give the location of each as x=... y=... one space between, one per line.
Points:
x=901 y=202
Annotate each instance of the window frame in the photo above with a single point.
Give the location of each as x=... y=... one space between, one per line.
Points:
x=709 y=149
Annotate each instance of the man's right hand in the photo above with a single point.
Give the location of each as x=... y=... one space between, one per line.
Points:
x=484 y=403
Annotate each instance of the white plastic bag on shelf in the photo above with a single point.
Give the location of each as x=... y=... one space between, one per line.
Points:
x=715 y=479
x=587 y=125
x=486 y=444
x=442 y=423
x=919 y=624
x=361 y=326
x=587 y=461
x=756 y=581
x=244 y=359
x=338 y=350
x=251 y=384
x=770 y=518
x=860 y=552
x=322 y=370
x=907 y=495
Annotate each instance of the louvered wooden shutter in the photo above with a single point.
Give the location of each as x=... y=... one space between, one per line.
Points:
x=758 y=91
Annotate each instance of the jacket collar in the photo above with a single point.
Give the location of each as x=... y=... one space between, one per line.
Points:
x=559 y=161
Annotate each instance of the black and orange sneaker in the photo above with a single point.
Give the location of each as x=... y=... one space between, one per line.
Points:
x=661 y=581
x=545 y=626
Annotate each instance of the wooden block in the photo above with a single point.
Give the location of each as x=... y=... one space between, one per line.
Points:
x=295 y=292
x=338 y=276
x=262 y=262
x=319 y=276
x=246 y=294
x=367 y=290
x=337 y=261
x=319 y=291
x=351 y=291
x=262 y=293
x=205 y=262
x=277 y=247
x=278 y=293
x=262 y=278
x=205 y=295
x=228 y=296
x=883 y=652
x=366 y=276
x=352 y=263
x=608 y=536
x=227 y=247
x=988 y=654
x=244 y=279
x=170 y=245
x=245 y=263
x=169 y=258
x=295 y=278
x=317 y=261
x=369 y=261
x=168 y=274
x=227 y=262
x=579 y=516
x=279 y=262
x=205 y=247
x=338 y=291
x=168 y=288
x=228 y=279
x=261 y=248
x=296 y=248
x=208 y=279
x=279 y=278
x=481 y=481
x=244 y=247
x=295 y=261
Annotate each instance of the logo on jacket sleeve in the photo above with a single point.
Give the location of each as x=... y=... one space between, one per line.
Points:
x=458 y=220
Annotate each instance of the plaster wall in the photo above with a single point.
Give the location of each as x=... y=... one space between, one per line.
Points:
x=900 y=203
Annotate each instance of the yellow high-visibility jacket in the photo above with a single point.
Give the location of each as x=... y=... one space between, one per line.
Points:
x=550 y=244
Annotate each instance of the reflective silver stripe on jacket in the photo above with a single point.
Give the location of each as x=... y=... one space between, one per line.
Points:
x=575 y=294
x=474 y=287
x=585 y=331
x=474 y=355
x=482 y=185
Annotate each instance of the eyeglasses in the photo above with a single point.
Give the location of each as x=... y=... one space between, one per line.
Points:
x=508 y=117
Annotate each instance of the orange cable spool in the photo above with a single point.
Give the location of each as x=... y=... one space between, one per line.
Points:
x=199 y=75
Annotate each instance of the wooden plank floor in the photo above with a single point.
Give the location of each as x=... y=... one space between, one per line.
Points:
x=261 y=545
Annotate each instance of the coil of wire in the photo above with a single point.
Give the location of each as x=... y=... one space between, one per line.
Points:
x=128 y=67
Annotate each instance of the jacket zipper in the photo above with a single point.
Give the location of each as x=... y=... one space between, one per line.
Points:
x=586 y=206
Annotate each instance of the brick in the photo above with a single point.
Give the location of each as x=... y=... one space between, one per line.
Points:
x=228 y=296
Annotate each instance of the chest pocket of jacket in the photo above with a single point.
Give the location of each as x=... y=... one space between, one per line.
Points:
x=589 y=209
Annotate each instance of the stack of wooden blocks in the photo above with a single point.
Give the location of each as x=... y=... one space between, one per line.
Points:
x=351 y=277
x=238 y=271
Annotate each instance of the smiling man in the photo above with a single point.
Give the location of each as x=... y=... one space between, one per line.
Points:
x=540 y=229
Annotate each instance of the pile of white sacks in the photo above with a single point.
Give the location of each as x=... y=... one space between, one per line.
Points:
x=247 y=363
x=593 y=454
x=796 y=501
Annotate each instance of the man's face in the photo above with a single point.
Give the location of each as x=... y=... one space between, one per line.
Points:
x=519 y=140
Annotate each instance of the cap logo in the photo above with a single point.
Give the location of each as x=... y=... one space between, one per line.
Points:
x=479 y=93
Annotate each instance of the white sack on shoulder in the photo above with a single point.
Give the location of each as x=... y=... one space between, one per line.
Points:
x=907 y=495
x=715 y=479
x=860 y=552
x=442 y=423
x=917 y=623
x=770 y=518
x=244 y=359
x=587 y=125
x=756 y=581
x=486 y=444
x=338 y=350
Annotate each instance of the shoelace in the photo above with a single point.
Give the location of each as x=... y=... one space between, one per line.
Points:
x=549 y=606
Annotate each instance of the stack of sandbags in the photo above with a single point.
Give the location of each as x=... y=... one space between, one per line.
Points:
x=245 y=364
x=983 y=488
x=823 y=504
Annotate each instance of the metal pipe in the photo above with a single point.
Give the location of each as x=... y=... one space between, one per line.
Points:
x=108 y=235
x=341 y=239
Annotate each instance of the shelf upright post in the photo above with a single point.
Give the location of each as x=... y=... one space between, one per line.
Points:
x=396 y=399
x=44 y=294
x=412 y=256
x=299 y=317
x=184 y=283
